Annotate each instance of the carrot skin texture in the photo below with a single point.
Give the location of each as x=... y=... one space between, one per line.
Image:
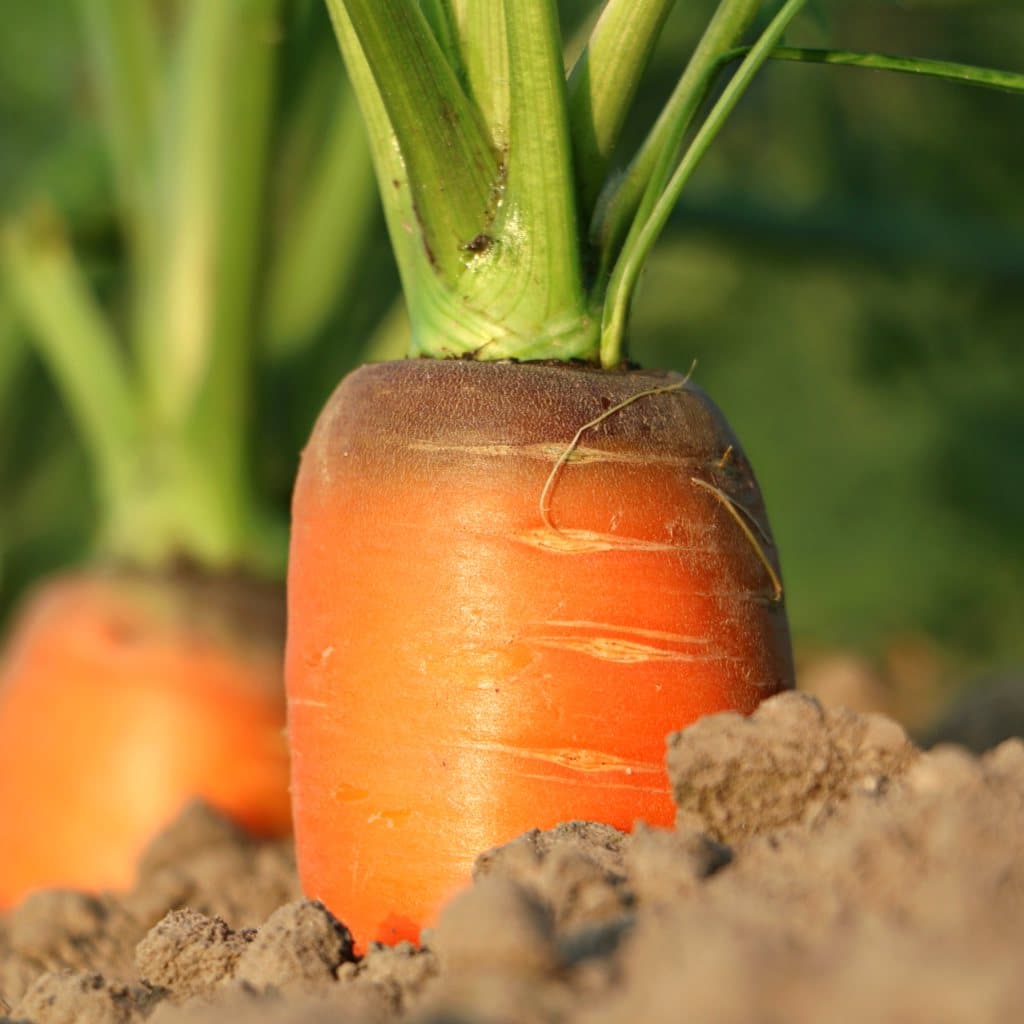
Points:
x=459 y=670
x=121 y=699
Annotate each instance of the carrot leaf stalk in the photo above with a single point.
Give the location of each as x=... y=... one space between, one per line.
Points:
x=322 y=240
x=122 y=36
x=663 y=190
x=604 y=81
x=946 y=70
x=452 y=170
x=620 y=200
x=78 y=343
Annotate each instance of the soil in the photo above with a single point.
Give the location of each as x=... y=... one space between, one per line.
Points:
x=823 y=868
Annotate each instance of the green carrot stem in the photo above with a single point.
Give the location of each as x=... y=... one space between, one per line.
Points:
x=441 y=18
x=178 y=294
x=126 y=56
x=76 y=341
x=452 y=170
x=482 y=38
x=950 y=71
x=319 y=254
x=389 y=165
x=216 y=425
x=624 y=201
x=645 y=232
x=538 y=255
x=603 y=83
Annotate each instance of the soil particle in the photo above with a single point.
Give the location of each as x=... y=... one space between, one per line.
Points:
x=389 y=981
x=190 y=954
x=663 y=865
x=576 y=869
x=301 y=946
x=790 y=762
x=823 y=869
x=82 y=997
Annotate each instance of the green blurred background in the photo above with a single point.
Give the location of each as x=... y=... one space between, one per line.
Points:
x=847 y=268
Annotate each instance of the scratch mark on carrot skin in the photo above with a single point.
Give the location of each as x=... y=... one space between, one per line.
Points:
x=622 y=652
x=580 y=542
x=577 y=759
x=651 y=634
x=605 y=783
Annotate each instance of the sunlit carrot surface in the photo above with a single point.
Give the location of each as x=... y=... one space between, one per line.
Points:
x=463 y=664
x=121 y=699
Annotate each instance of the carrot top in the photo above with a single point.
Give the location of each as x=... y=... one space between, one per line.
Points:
x=515 y=235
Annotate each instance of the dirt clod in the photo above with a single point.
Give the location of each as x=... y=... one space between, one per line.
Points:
x=300 y=946
x=790 y=762
x=189 y=954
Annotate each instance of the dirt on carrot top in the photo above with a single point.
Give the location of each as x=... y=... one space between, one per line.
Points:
x=822 y=868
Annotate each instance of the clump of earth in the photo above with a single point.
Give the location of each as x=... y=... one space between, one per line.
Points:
x=822 y=868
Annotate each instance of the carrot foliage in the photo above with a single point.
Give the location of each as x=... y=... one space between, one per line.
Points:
x=516 y=237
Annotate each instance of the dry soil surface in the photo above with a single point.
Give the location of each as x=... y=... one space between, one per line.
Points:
x=823 y=869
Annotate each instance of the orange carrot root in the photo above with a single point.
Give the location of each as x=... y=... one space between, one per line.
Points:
x=121 y=699
x=459 y=673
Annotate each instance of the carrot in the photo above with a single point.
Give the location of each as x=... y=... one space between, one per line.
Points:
x=517 y=563
x=459 y=670
x=122 y=698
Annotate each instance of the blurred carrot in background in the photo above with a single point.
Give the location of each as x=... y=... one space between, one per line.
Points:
x=151 y=675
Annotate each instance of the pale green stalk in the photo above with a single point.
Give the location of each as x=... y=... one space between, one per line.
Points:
x=180 y=292
x=325 y=235
x=949 y=71
x=441 y=19
x=452 y=170
x=645 y=232
x=603 y=83
x=123 y=38
x=439 y=319
x=623 y=202
x=217 y=426
x=536 y=242
x=77 y=342
x=483 y=52
x=392 y=175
